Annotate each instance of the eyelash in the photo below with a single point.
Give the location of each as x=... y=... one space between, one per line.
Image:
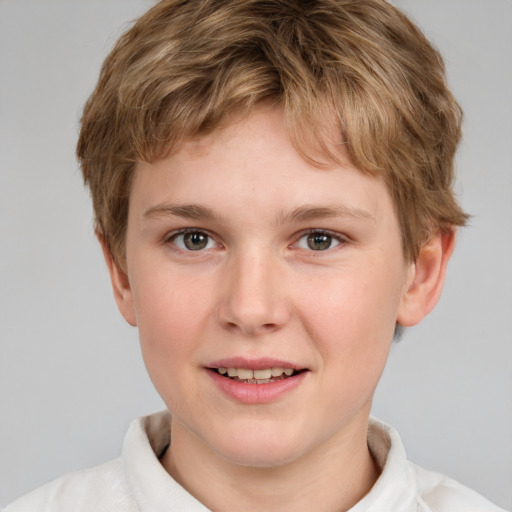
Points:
x=173 y=236
x=340 y=239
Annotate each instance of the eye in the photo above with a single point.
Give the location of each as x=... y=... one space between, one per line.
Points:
x=192 y=240
x=318 y=241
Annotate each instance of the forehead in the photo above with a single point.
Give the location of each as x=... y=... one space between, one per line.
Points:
x=252 y=162
x=321 y=143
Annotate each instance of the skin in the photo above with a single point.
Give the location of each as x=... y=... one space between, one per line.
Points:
x=257 y=289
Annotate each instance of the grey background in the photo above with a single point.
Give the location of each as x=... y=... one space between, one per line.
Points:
x=71 y=376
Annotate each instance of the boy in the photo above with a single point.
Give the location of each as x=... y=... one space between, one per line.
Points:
x=272 y=190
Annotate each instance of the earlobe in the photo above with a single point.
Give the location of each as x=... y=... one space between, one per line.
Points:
x=120 y=284
x=425 y=279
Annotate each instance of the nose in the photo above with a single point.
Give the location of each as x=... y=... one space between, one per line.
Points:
x=253 y=300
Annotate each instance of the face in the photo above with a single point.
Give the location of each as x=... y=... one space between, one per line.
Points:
x=244 y=264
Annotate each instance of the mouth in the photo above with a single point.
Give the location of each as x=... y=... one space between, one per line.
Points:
x=260 y=376
x=256 y=381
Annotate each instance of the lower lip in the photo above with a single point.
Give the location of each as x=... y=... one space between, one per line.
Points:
x=256 y=393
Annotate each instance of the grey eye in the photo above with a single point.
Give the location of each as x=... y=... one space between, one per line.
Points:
x=317 y=241
x=193 y=241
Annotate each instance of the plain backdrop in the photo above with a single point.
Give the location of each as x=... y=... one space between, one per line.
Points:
x=71 y=376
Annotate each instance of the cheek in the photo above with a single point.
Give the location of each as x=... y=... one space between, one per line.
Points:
x=171 y=319
x=352 y=303
x=168 y=307
x=352 y=318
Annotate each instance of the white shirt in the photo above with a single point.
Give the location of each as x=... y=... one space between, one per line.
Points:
x=137 y=482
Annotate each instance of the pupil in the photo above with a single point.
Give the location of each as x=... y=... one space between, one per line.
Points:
x=319 y=241
x=195 y=241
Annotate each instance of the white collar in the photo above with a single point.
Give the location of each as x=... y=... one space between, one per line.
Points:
x=154 y=489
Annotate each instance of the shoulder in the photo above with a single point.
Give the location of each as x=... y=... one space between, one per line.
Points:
x=405 y=487
x=440 y=493
x=99 y=489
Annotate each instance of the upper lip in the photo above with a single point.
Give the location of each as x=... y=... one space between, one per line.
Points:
x=253 y=364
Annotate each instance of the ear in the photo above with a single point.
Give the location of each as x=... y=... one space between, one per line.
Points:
x=425 y=279
x=120 y=284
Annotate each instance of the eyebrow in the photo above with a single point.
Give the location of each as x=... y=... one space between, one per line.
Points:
x=185 y=211
x=301 y=214
x=308 y=213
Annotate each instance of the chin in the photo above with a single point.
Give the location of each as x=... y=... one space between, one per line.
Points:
x=260 y=449
x=260 y=458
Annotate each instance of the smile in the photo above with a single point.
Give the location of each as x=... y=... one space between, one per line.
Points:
x=256 y=382
x=262 y=376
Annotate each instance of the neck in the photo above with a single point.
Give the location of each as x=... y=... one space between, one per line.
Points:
x=341 y=471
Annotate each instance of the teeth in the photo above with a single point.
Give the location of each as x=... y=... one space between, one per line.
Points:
x=277 y=372
x=247 y=374
x=244 y=374
x=262 y=374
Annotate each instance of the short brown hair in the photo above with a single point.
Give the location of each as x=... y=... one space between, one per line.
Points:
x=357 y=71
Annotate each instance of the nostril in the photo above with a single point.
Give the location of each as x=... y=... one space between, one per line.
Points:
x=251 y=318
x=251 y=328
